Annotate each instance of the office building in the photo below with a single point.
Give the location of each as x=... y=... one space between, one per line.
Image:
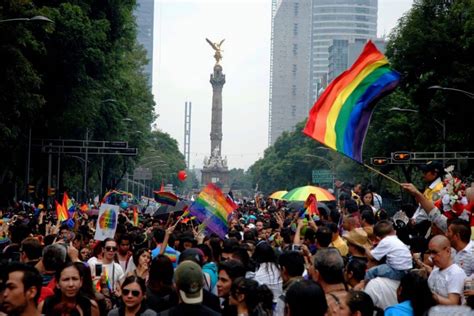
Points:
x=343 y=53
x=290 y=65
x=144 y=14
x=302 y=33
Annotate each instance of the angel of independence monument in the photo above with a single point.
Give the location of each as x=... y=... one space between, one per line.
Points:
x=215 y=167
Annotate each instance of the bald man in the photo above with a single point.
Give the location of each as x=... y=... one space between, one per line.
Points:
x=446 y=281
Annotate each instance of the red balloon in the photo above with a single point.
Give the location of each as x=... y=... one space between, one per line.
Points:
x=182 y=175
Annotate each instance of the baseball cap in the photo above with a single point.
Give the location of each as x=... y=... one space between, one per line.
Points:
x=192 y=254
x=189 y=282
x=435 y=166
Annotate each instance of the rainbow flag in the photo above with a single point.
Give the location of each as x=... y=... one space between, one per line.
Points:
x=61 y=212
x=213 y=207
x=167 y=198
x=67 y=203
x=311 y=205
x=107 y=281
x=340 y=117
x=187 y=219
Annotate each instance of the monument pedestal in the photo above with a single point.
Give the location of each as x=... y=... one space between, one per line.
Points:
x=215 y=170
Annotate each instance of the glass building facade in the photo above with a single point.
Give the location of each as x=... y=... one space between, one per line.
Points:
x=350 y=20
x=144 y=14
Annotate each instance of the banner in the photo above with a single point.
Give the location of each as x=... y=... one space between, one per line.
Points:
x=107 y=222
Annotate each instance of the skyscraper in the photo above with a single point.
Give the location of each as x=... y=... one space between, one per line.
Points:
x=144 y=14
x=302 y=32
x=289 y=66
x=337 y=20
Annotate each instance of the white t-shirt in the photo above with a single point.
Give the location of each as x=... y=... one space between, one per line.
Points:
x=269 y=274
x=398 y=254
x=383 y=291
x=114 y=271
x=447 y=281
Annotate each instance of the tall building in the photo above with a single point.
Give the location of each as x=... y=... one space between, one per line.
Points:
x=343 y=53
x=337 y=20
x=144 y=14
x=302 y=32
x=289 y=66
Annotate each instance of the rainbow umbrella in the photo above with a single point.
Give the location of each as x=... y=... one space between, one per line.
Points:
x=278 y=195
x=302 y=193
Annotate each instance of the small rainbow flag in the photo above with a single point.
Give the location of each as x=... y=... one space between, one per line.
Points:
x=340 y=117
x=213 y=207
x=187 y=219
x=61 y=212
x=311 y=205
x=167 y=198
x=107 y=281
x=67 y=203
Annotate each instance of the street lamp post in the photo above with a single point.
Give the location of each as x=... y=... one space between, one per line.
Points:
x=32 y=19
x=466 y=93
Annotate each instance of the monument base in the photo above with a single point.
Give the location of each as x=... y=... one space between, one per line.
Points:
x=217 y=176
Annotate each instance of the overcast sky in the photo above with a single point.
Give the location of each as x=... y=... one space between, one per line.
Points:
x=183 y=62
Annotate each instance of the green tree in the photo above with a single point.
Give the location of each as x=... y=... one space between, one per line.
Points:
x=433 y=44
x=81 y=75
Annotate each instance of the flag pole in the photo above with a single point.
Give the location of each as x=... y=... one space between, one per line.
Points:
x=382 y=174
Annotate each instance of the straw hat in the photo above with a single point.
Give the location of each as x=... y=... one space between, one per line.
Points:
x=358 y=237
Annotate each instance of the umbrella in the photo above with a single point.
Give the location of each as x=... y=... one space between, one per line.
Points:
x=278 y=194
x=297 y=205
x=302 y=193
x=166 y=209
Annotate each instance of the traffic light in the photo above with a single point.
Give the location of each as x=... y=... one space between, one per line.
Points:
x=401 y=156
x=31 y=189
x=51 y=191
x=379 y=161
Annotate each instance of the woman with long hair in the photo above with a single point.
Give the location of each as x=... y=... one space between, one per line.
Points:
x=141 y=259
x=160 y=292
x=268 y=272
x=368 y=200
x=68 y=299
x=251 y=298
x=133 y=298
x=414 y=296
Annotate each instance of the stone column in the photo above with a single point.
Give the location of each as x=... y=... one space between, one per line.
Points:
x=217 y=82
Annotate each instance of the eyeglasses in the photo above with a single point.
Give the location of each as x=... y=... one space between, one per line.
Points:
x=135 y=293
x=111 y=248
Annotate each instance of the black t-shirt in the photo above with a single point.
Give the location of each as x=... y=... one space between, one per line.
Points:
x=188 y=310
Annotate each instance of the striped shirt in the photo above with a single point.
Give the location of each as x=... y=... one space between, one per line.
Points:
x=465 y=258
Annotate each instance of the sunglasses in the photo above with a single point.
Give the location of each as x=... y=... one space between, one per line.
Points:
x=135 y=293
x=111 y=248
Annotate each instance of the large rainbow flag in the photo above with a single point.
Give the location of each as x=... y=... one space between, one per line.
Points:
x=213 y=208
x=340 y=117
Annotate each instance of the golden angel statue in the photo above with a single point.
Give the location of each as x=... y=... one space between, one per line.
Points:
x=217 y=48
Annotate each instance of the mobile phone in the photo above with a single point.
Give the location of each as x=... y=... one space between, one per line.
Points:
x=98 y=269
x=295 y=247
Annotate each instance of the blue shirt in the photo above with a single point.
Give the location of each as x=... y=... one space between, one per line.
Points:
x=169 y=252
x=402 y=309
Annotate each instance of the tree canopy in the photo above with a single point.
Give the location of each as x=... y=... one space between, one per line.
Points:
x=82 y=74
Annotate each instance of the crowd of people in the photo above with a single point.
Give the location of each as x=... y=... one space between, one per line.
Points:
x=352 y=258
